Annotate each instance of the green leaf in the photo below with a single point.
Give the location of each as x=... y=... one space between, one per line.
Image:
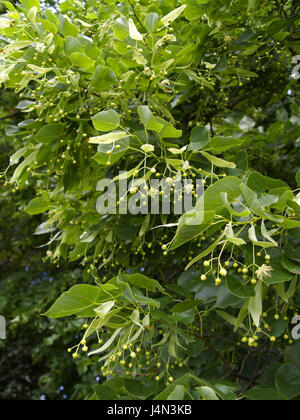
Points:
x=121 y=29
x=29 y=4
x=257 y=182
x=50 y=132
x=144 y=300
x=143 y=282
x=290 y=224
x=286 y=295
x=220 y=163
x=24 y=104
x=295 y=206
x=104 y=393
x=150 y=22
x=67 y=28
x=141 y=388
x=80 y=300
x=199 y=138
x=291 y=355
x=82 y=61
x=290 y=265
x=184 y=381
x=170 y=132
x=207 y=393
x=237 y=288
x=184 y=306
x=277 y=327
x=191 y=225
x=212 y=196
x=228 y=318
x=225 y=299
x=257 y=206
x=50 y=26
x=29 y=160
x=278 y=275
x=260 y=393
x=177 y=394
x=103 y=79
x=220 y=144
x=288 y=380
x=9 y=6
x=37 y=205
x=224 y=197
x=106 y=120
x=148 y=119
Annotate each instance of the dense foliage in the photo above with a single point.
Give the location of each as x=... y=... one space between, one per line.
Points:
x=198 y=306
x=33 y=361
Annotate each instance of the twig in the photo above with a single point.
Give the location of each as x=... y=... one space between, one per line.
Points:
x=213 y=349
x=134 y=12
